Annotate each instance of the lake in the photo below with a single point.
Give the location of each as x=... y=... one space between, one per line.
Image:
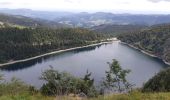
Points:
x=94 y=59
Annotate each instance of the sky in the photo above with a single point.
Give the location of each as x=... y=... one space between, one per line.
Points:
x=116 y=6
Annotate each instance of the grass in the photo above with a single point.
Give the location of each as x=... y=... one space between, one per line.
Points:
x=17 y=90
x=131 y=96
x=26 y=96
x=136 y=96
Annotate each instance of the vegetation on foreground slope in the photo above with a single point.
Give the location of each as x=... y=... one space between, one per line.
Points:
x=29 y=42
x=63 y=86
x=159 y=83
x=155 y=40
x=131 y=96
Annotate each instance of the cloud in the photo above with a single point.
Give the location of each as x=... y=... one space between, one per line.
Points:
x=69 y=1
x=72 y=1
x=156 y=1
x=5 y=3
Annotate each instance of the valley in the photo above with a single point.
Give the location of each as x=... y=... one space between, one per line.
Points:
x=86 y=55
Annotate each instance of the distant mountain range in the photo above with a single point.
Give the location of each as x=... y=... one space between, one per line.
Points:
x=35 y=14
x=99 y=18
x=22 y=21
x=89 y=20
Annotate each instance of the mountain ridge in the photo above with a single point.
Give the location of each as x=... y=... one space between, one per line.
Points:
x=88 y=20
x=22 y=21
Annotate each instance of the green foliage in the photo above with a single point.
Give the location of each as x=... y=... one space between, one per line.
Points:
x=29 y=42
x=18 y=90
x=61 y=83
x=115 y=30
x=135 y=95
x=25 y=96
x=14 y=87
x=116 y=77
x=87 y=86
x=159 y=83
x=1 y=77
x=68 y=84
x=154 y=40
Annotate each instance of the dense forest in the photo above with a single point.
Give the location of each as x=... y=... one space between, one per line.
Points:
x=158 y=83
x=154 y=40
x=29 y=42
x=115 y=30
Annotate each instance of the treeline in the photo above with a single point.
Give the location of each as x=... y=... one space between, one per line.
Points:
x=115 y=30
x=154 y=40
x=18 y=43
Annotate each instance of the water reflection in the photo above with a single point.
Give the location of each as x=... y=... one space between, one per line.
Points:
x=30 y=63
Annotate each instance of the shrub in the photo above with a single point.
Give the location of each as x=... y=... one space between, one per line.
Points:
x=14 y=87
x=115 y=79
x=159 y=83
x=62 y=83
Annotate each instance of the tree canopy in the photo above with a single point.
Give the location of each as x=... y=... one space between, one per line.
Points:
x=115 y=79
x=16 y=43
x=154 y=40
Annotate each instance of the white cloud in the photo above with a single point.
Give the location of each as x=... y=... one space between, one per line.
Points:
x=156 y=1
x=5 y=3
x=133 y=6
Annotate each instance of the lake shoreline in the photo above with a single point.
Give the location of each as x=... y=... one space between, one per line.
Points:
x=145 y=52
x=58 y=51
x=79 y=47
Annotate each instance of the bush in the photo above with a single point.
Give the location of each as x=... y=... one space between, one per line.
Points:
x=61 y=83
x=115 y=79
x=159 y=83
x=14 y=87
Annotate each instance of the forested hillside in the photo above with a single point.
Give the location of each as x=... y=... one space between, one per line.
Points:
x=115 y=30
x=158 y=83
x=21 y=21
x=16 y=43
x=155 y=40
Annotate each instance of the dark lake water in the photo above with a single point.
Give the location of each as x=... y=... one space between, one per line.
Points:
x=93 y=59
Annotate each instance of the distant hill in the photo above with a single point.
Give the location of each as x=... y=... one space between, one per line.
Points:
x=21 y=21
x=117 y=29
x=154 y=40
x=47 y=15
x=99 y=18
x=89 y=20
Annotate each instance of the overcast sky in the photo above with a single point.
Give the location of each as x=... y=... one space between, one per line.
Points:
x=117 y=6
